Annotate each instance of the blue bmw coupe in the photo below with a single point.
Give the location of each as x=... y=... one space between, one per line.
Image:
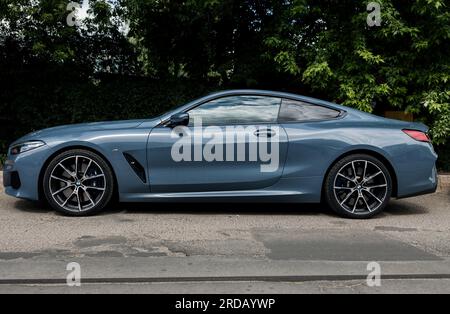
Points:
x=232 y=146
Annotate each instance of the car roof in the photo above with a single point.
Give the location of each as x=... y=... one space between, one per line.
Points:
x=236 y=92
x=350 y=113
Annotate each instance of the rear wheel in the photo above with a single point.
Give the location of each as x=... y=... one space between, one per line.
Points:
x=358 y=186
x=78 y=183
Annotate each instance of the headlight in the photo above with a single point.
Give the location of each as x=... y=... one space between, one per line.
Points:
x=25 y=147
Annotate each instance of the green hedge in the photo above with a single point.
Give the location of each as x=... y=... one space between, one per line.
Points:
x=443 y=163
x=41 y=105
x=33 y=102
x=36 y=100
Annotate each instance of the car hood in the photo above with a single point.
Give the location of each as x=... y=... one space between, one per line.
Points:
x=84 y=127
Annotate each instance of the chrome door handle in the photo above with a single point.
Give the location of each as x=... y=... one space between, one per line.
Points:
x=265 y=133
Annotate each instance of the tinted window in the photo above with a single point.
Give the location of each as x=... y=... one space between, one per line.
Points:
x=237 y=110
x=292 y=110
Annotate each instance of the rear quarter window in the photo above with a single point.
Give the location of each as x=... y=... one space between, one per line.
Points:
x=298 y=111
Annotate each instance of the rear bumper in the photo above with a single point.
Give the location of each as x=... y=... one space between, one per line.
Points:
x=416 y=171
x=428 y=188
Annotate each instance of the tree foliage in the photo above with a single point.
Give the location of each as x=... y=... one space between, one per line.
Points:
x=52 y=73
x=321 y=47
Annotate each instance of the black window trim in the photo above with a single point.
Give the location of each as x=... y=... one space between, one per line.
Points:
x=342 y=113
x=165 y=123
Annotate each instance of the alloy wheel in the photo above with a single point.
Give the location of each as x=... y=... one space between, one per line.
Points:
x=360 y=187
x=77 y=183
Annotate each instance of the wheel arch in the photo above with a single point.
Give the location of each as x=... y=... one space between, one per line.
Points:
x=371 y=153
x=65 y=149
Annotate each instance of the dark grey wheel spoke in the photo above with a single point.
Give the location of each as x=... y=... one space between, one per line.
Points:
x=61 y=180
x=89 y=196
x=76 y=166
x=373 y=195
x=355 y=176
x=70 y=173
x=345 y=177
x=365 y=192
x=79 y=201
x=93 y=188
x=348 y=197
x=62 y=190
x=343 y=188
x=375 y=186
x=367 y=204
x=86 y=170
x=365 y=170
x=68 y=198
x=356 y=203
x=94 y=177
x=372 y=177
x=73 y=193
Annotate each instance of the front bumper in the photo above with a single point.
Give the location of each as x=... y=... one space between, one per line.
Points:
x=11 y=179
x=21 y=174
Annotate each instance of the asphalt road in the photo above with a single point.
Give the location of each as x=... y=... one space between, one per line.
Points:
x=411 y=232
x=412 y=286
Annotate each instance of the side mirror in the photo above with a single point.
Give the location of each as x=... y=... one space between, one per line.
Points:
x=179 y=119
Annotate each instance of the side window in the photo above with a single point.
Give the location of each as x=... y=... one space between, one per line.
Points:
x=237 y=110
x=292 y=110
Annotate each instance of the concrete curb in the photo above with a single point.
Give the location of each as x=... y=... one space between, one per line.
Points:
x=444 y=182
x=209 y=269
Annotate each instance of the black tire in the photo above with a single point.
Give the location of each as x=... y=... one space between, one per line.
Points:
x=92 y=187
x=355 y=199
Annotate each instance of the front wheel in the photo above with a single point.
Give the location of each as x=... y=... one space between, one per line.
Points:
x=78 y=183
x=358 y=186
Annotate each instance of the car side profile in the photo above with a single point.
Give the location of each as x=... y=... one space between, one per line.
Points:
x=319 y=151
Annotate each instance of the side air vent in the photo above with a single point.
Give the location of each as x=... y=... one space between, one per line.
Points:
x=15 y=180
x=137 y=167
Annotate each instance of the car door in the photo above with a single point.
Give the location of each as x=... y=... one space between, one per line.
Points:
x=314 y=138
x=231 y=143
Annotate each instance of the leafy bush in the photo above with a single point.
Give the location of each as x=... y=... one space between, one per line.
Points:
x=443 y=163
x=41 y=105
x=2 y=161
x=54 y=74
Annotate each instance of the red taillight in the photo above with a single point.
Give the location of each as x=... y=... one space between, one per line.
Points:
x=418 y=135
